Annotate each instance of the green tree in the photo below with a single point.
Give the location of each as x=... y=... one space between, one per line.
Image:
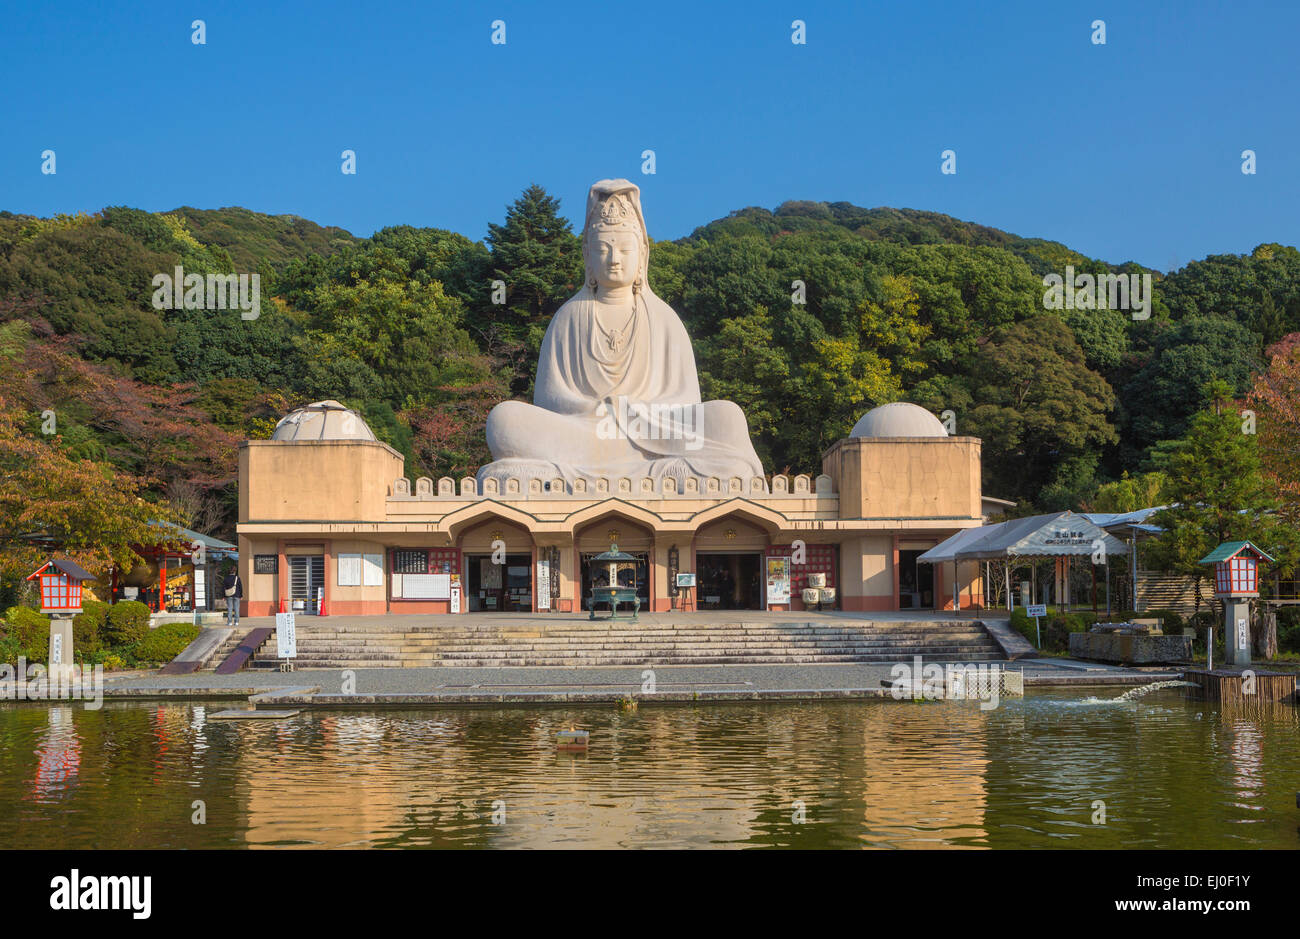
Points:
x=410 y=337
x=1036 y=405
x=1160 y=399
x=1215 y=489
x=741 y=362
x=1127 y=494
x=539 y=258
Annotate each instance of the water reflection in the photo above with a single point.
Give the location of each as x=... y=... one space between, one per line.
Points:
x=1170 y=773
x=58 y=757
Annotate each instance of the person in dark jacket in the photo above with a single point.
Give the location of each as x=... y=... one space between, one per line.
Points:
x=233 y=589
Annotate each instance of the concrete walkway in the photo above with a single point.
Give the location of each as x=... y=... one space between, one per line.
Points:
x=424 y=687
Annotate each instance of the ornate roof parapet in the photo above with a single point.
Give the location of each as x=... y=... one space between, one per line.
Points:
x=645 y=487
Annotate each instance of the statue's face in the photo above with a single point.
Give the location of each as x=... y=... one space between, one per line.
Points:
x=615 y=258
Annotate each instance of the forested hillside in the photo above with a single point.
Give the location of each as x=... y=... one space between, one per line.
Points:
x=1076 y=407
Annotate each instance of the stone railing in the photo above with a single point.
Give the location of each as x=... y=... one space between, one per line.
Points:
x=426 y=489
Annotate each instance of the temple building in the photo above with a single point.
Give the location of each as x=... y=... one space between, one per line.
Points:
x=329 y=523
x=617 y=447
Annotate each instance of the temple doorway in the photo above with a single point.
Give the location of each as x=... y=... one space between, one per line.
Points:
x=915 y=582
x=499 y=588
x=731 y=581
x=306 y=582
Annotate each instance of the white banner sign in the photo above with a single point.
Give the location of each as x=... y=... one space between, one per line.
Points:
x=286 y=636
x=543 y=583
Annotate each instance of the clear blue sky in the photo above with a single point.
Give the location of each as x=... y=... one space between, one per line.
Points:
x=1129 y=150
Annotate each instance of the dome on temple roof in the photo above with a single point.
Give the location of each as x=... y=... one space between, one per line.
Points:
x=322 y=420
x=899 y=419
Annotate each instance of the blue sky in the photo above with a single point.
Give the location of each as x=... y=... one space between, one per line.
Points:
x=1129 y=150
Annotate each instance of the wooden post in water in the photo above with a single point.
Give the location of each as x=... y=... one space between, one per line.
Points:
x=1228 y=686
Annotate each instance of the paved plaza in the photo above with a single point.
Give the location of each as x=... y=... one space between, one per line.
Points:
x=673 y=684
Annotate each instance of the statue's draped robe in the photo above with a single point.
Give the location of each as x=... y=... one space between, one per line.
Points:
x=594 y=407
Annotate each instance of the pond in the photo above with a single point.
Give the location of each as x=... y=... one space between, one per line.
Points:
x=1032 y=773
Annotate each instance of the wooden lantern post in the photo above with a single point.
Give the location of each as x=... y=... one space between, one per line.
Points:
x=60 y=582
x=1236 y=581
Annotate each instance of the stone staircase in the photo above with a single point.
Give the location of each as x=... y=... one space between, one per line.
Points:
x=354 y=645
x=230 y=644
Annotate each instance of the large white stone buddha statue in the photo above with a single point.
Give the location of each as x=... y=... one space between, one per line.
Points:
x=617 y=394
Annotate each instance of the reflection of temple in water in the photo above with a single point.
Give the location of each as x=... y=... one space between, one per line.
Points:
x=660 y=778
x=922 y=789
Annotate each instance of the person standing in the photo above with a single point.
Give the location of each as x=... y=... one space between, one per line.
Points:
x=233 y=588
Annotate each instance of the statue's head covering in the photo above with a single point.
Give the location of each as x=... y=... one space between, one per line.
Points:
x=615 y=205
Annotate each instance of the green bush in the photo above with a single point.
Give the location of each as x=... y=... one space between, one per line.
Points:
x=1022 y=624
x=10 y=649
x=128 y=622
x=30 y=630
x=1057 y=629
x=166 y=642
x=87 y=627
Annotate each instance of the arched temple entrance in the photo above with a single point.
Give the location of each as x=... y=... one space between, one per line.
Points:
x=631 y=537
x=497 y=564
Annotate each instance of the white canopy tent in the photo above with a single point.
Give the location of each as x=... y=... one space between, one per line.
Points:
x=1063 y=534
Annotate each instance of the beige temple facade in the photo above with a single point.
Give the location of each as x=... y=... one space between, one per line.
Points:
x=329 y=522
x=617 y=447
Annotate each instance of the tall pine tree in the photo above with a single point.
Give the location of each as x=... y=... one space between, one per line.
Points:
x=539 y=257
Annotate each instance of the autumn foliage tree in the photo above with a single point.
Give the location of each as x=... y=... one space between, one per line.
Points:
x=1275 y=398
x=93 y=513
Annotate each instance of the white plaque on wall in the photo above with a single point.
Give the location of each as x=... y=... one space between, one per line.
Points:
x=349 y=570
x=372 y=570
x=426 y=586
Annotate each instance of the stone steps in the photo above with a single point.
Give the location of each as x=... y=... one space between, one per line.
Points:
x=792 y=630
x=626 y=661
x=451 y=635
x=930 y=648
x=616 y=643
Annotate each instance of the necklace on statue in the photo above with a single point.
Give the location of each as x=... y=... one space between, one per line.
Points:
x=616 y=338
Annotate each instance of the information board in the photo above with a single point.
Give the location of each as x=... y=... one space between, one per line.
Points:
x=778 y=581
x=543 y=583
x=426 y=587
x=286 y=636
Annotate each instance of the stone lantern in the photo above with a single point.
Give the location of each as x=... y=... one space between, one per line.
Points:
x=60 y=582
x=1236 y=581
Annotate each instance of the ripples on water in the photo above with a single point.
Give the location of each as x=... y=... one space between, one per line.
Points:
x=1172 y=774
